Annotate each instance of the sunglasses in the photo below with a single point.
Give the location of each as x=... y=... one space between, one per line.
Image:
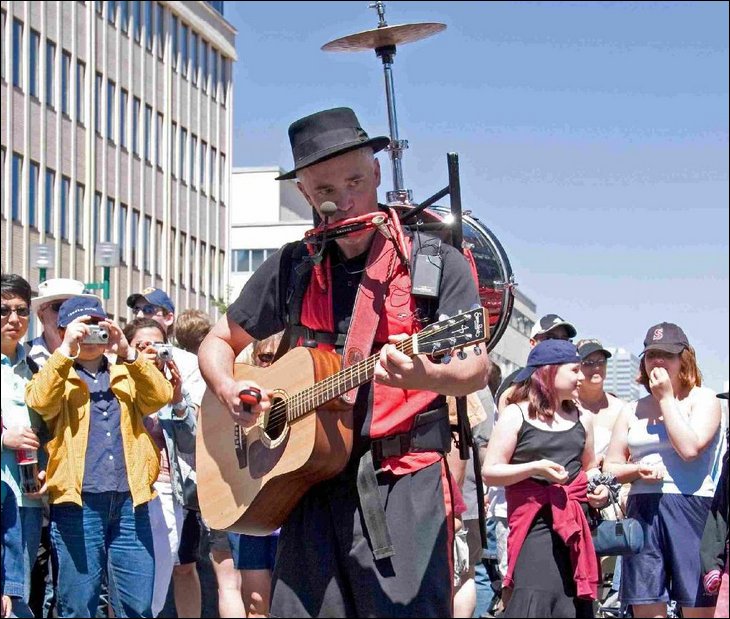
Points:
x=266 y=357
x=147 y=309
x=56 y=306
x=594 y=364
x=22 y=312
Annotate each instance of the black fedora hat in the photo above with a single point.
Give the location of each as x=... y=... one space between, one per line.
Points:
x=327 y=134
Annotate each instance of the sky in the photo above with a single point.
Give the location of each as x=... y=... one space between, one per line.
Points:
x=592 y=140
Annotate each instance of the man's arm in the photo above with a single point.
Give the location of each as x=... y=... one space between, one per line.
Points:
x=215 y=357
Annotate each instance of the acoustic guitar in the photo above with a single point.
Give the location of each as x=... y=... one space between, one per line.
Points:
x=249 y=479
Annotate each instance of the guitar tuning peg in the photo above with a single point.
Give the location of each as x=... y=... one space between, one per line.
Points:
x=477 y=350
x=461 y=354
x=443 y=317
x=446 y=359
x=475 y=306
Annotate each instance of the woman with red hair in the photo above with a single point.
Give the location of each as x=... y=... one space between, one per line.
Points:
x=541 y=450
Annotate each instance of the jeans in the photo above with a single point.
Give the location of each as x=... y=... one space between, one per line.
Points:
x=105 y=534
x=21 y=535
x=485 y=592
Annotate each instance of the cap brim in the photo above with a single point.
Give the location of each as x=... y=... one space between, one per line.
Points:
x=674 y=349
x=524 y=374
x=98 y=315
x=589 y=349
x=723 y=396
x=133 y=298
x=36 y=302
x=377 y=144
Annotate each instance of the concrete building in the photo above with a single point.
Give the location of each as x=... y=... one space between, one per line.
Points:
x=511 y=351
x=621 y=373
x=266 y=214
x=116 y=126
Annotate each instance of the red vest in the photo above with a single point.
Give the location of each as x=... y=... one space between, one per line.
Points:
x=393 y=409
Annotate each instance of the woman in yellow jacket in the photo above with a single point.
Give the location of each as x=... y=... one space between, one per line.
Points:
x=101 y=461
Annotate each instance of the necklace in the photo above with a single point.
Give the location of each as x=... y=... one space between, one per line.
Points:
x=342 y=263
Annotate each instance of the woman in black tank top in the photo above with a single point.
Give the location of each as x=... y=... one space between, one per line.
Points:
x=541 y=442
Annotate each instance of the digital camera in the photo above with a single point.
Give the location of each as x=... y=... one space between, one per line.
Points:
x=96 y=335
x=164 y=352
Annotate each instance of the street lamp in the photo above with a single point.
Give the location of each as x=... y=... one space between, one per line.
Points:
x=41 y=258
x=106 y=256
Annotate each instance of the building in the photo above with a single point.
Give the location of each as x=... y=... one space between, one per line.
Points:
x=268 y=214
x=511 y=351
x=116 y=126
x=621 y=373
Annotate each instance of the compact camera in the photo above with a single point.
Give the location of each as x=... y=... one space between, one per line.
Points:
x=96 y=335
x=164 y=352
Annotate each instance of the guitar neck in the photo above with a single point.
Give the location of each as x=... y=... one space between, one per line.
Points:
x=338 y=384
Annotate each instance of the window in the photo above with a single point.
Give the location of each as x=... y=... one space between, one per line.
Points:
x=124 y=15
x=136 y=104
x=33 y=194
x=183 y=153
x=48 y=210
x=224 y=79
x=66 y=83
x=193 y=159
x=79 y=211
x=18 y=54
x=147 y=132
x=160 y=30
x=244 y=260
x=107 y=235
x=123 y=101
x=221 y=272
x=158 y=253
x=214 y=72
x=134 y=236
x=15 y=200
x=158 y=139
x=204 y=65
x=95 y=237
x=111 y=12
x=50 y=73
x=136 y=19
x=148 y=27
x=193 y=276
x=175 y=47
x=173 y=149
x=111 y=89
x=35 y=45
x=203 y=164
x=185 y=57
x=203 y=267
x=80 y=73
x=3 y=38
x=100 y=7
x=65 y=197
x=213 y=164
x=147 y=240
x=122 y=232
x=211 y=271
x=222 y=179
x=184 y=264
x=194 y=57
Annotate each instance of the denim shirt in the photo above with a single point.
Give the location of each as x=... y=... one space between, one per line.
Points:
x=105 y=469
x=16 y=413
x=179 y=434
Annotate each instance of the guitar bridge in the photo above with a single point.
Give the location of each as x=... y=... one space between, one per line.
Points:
x=239 y=440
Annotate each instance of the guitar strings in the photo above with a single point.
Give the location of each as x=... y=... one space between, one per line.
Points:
x=280 y=409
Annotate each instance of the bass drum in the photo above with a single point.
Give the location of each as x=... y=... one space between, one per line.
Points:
x=496 y=281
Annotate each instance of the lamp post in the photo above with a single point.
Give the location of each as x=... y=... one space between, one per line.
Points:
x=106 y=256
x=41 y=258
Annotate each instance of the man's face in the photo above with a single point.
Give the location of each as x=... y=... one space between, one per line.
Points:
x=144 y=309
x=556 y=333
x=350 y=181
x=15 y=316
x=48 y=314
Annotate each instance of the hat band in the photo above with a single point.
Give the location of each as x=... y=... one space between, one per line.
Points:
x=323 y=142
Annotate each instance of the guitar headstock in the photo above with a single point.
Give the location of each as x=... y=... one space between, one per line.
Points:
x=454 y=332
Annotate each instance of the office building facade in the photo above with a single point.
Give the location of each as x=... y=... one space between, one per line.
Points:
x=116 y=127
x=622 y=371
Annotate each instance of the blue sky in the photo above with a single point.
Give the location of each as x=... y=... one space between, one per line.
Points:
x=593 y=140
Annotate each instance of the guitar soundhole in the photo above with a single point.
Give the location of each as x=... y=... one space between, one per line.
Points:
x=276 y=422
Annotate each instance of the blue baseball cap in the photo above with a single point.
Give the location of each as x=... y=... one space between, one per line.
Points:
x=548 y=352
x=73 y=308
x=155 y=296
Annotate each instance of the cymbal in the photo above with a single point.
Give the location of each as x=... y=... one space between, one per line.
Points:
x=381 y=37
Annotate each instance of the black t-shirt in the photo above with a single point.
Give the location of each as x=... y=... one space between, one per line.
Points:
x=260 y=309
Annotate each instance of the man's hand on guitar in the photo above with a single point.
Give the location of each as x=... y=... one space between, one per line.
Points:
x=396 y=369
x=246 y=401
